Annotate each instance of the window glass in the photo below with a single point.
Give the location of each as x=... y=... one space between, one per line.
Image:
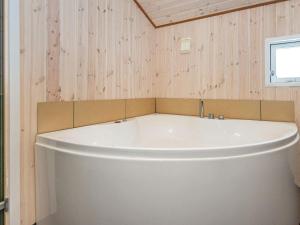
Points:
x=288 y=62
x=282 y=61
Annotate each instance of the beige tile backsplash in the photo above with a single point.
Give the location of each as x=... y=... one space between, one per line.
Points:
x=178 y=106
x=278 y=111
x=98 y=111
x=233 y=109
x=139 y=107
x=53 y=116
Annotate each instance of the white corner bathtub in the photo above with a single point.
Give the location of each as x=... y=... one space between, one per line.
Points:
x=168 y=170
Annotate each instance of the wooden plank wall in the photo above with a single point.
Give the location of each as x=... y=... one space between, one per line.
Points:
x=79 y=50
x=227 y=56
x=103 y=49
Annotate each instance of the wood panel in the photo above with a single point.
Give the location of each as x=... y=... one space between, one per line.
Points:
x=79 y=50
x=227 y=56
x=165 y=12
x=91 y=49
x=33 y=90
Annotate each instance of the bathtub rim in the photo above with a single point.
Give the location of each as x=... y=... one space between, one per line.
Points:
x=41 y=139
x=167 y=153
x=167 y=157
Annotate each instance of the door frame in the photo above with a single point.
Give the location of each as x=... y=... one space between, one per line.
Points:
x=12 y=110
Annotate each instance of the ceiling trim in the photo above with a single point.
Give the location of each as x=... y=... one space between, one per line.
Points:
x=206 y=16
x=144 y=12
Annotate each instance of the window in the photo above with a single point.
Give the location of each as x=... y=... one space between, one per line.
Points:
x=283 y=61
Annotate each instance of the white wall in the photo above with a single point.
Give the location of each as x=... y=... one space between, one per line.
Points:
x=13 y=99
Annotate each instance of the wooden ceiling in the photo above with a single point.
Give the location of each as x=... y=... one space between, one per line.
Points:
x=168 y=12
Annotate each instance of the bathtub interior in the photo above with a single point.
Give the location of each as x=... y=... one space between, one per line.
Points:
x=173 y=131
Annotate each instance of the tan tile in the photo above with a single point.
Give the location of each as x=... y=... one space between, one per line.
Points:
x=98 y=111
x=278 y=111
x=190 y=107
x=140 y=107
x=53 y=116
x=233 y=109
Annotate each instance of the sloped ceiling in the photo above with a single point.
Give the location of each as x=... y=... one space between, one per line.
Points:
x=166 y=12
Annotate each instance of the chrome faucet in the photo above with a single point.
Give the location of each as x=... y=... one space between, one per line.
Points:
x=201 y=108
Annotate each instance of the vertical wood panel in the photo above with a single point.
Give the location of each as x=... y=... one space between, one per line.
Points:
x=244 y=54
x=100 y=49
x=269 y=29
x=33 y=89
x=93 y=9
x=256 y=53
x=53 y=51
x=82 y=50
x=68 y=53
x=229 y=53
x=79 y=50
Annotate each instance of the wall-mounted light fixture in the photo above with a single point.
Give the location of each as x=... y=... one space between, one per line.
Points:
x=185 y=45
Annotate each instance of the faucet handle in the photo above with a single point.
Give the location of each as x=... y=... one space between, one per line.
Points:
x=221 y=117
x=211 y=116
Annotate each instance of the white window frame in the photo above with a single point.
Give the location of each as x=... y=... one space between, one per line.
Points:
x=271 y=44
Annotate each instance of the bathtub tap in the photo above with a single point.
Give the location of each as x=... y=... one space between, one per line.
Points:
x=201 y=109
